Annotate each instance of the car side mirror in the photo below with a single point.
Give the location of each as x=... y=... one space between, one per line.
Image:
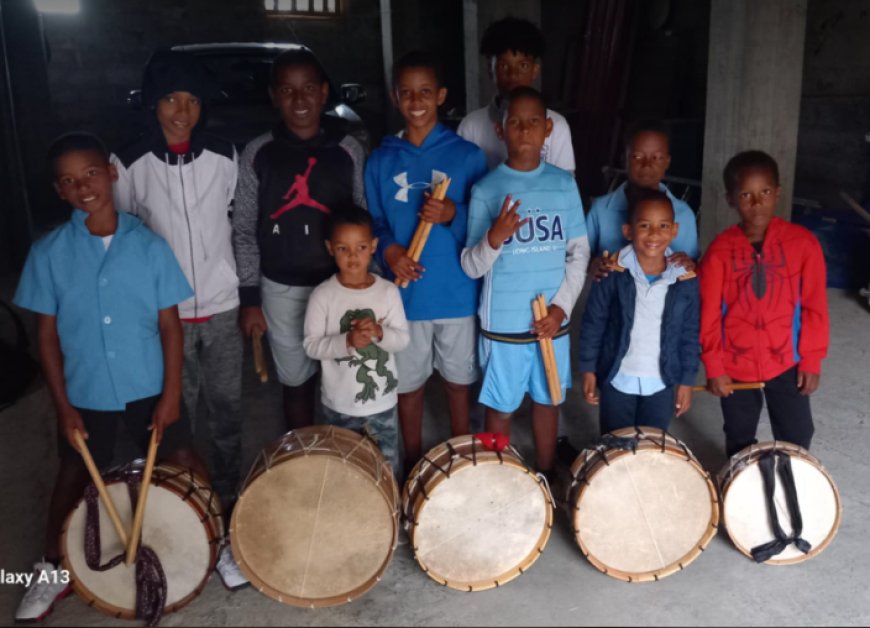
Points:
x=134 y=99
x=352 y=93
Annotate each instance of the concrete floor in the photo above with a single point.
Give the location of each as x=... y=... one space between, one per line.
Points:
x=722 y=587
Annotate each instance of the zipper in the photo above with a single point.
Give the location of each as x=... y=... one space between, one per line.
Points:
x=189 y=237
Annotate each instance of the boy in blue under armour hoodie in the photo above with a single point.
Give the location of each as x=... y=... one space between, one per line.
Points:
x=440 y=300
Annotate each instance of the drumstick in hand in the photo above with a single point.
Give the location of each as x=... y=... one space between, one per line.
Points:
x=143 y=494
x=741 y=386
x=539 y=309
x=424 y=227
x=101 y=487
x=259 y=362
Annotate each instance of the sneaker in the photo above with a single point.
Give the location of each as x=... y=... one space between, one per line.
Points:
x=229 y=571
x=45 y=589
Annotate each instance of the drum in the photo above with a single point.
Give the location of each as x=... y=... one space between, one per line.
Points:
x=317 y=520
x=747 y=515
x=478 y=518
x=183 y=525
x=642 y=506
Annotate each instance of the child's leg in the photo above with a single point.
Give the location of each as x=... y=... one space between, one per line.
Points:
x=616 y=409
x=499 y=422
x=454 y=342
x=383 y=429
x=459 y=401
x=507 y=369
x=545 y=426
x=414 y=366
x=790 y=416
x=741 y=411
x=656 y=410
x=299 y=402
x=411 y=424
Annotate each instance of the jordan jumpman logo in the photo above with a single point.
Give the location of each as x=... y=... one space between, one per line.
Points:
x=302 y=196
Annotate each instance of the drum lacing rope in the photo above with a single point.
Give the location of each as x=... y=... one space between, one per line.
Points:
x=768 y=464
x=150 y=579
x=194 y=487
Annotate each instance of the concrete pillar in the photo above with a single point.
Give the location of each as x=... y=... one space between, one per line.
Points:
x=754 y=77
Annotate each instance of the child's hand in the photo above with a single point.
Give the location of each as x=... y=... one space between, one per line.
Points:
x=551 y=323
x=403 y=267
x=361 y=332
x=601 y=266
x=436 y=211
x=506 y=224
x=368 y=326
x=70 y=420
x=250 y=318
x=720 y=386
x=165 y=414
x=684 y=399
x=682 y=259
x=589 y=384
x=807 y=383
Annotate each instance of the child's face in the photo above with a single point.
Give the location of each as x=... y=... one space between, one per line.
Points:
x=418 y=95
x=647 y=159
x=300 y=95
x=651 y=230
x=513 y=69
x=755 y=198
x=525 y=128
x=84 y=179
x=352 y=246
x=178 y=113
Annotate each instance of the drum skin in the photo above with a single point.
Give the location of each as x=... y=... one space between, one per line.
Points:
x=316 y=523
x=645 y=514
x=182 y=524
x=744 y=509
x=478 y=518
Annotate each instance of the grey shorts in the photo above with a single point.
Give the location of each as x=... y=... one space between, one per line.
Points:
x=284 y=309
x=447 y=344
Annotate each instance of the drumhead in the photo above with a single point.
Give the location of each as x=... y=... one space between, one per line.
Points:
x=314 y=530
x=172 y=527
x=482 y=525
x=745 y=508
x=646 y=514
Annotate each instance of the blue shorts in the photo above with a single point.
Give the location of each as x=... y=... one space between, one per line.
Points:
x=511 y=370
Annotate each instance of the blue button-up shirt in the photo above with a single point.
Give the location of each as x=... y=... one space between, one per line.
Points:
x=609 y=212
x=106 y=303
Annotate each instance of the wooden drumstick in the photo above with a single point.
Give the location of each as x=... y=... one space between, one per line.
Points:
x=539 y=309
x=259 y=362
x=143 y=494
x=421 y=234
x=739 y=386
x=101 y=487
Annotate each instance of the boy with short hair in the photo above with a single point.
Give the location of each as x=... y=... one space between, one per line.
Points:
x=105 y=289
x=647 y=157
x=355 y=324
x=639 y=339
x=764 y=310
x=440 y=302
x=545 y=252
x=289 y=181
x=513 y=48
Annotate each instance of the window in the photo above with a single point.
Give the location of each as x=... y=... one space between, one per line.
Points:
x=303 y=8
x=61 y=7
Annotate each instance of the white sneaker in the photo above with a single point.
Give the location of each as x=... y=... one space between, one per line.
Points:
x=229 y=571
x=45 y=589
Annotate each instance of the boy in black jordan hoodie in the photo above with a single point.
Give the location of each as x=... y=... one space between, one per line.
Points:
x=290 y=179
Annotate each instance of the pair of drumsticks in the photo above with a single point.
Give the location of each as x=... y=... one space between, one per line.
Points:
x=415 y=249
x=132 y=544
x=539 y=309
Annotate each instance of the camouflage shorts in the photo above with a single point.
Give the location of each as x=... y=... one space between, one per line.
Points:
x=383 y=428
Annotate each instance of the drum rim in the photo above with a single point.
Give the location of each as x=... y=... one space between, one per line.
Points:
x=673 y=446
x=390 y=498
x=193 y=499
x=414 y=501
x=748 y=455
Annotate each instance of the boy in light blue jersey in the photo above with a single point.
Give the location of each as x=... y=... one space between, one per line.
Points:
x=647 y=157
x=543 y=252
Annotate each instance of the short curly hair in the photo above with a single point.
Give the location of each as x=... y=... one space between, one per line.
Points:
x=512 y=34
x=748 y=160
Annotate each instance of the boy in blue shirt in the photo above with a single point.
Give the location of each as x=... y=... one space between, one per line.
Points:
x=639 y=339
x=647 y=157
x=106 y=290
x=440 y=299
x=544 y=252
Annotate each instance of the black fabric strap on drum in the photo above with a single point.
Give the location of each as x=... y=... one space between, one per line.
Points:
x=150 y=579
x=520 y=338
x=768 y=464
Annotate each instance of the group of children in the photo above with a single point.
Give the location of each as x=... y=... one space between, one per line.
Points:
x=176 y=248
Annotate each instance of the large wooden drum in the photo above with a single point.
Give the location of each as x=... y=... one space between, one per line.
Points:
x=317 y=520
x=746 y=512
x=642 y=506
x=183 y=525
x=478 y=518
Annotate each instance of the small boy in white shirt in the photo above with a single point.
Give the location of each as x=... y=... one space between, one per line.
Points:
x=354 y=324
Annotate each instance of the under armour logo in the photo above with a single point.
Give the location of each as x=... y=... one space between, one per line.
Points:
x=401 y=180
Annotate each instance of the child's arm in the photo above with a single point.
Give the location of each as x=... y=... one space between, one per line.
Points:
x=51 y=357
x=481 y=251
x=168 y=409
x=595 y=320
x=393 y=328
x=317 y=342
x=814 y=331
x=712 y=281
x=689 y=349
x=590 y=383
x=245 y=245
